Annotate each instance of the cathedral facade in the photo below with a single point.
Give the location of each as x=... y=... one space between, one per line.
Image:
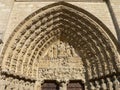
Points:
x=60 y=45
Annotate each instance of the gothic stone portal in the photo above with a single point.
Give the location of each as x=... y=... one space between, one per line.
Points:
x=33 y=52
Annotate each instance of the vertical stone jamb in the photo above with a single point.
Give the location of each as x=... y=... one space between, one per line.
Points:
x=38 y=85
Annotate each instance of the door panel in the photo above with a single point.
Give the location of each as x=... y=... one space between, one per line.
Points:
x=75 y=86
x=50 y=85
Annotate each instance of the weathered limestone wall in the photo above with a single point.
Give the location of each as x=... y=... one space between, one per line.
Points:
x=116 y=9
x=22 y=9
x=99 y=10
x=5 y=9
x=115 y=12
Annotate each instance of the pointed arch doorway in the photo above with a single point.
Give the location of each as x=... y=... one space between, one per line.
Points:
x=93 y=41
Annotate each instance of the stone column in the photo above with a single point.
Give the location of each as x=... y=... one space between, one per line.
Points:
x=38 y=85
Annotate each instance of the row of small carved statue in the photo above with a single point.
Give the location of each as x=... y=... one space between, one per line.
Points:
x=9 y=83
x=110 y=83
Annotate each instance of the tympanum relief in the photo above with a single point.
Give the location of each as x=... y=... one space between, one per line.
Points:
x=60 y=62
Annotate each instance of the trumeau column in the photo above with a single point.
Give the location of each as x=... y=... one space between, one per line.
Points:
x=38 y=85
x=63 y=85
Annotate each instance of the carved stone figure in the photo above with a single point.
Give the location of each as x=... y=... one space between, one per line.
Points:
x=109 y=84
x=16 y=84
x=92 y=86
x=116 y=83
x=27 y=86
x=103 y=85
x=31 y=86
x=2 y=82
x=97 y=85
x=37 y=85
x=69 y=51
x=10 y=85
x=60 y=50
x=21 y=85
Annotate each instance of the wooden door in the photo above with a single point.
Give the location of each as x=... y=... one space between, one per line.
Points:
x=75 y=85
x=50 y=85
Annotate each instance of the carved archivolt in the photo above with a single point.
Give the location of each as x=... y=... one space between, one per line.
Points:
x=67 y=23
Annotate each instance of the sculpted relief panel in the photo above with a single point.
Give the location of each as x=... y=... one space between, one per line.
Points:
x=60 y=62
x=60 y=50
x=61 y=74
